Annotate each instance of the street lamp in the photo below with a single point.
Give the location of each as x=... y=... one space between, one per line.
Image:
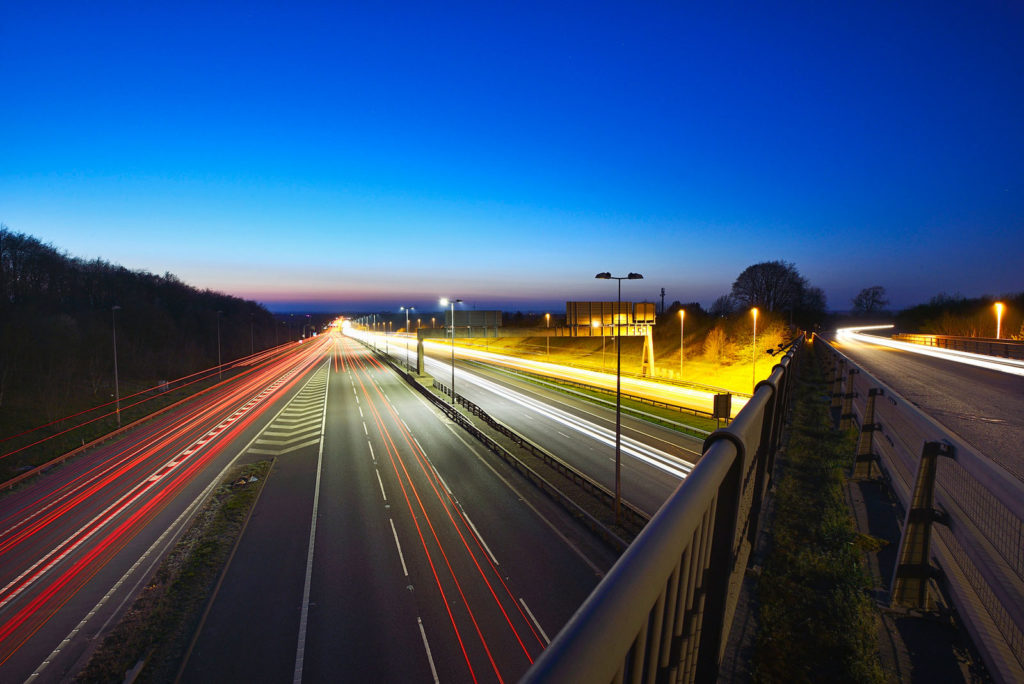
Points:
x=753 y=354
x=682 y=321
x=999 y=318
x=618 y=389
x=406 y=309
x=445 y=302
x=595 y=325
x=219 y=369
x=117 y=388
x=547 y=336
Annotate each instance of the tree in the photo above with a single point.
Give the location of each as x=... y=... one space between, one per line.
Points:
x=870 y=300
x=771 y=285
x=722 y=307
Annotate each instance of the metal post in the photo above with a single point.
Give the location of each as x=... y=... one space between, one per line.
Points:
x=453 y=352
x=682 y=322
x=220 y=371
x=117 y=386
x=865 y=448
x=910 y=579
x=618 y=410
x=846 y=413
x=753 y=356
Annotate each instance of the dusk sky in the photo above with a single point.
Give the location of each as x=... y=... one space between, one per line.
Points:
x=370 y=155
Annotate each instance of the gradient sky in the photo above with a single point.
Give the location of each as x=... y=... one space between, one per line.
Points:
x=376 y=154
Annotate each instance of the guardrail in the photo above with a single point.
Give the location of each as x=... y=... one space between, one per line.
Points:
x=574 y=509
x=977 y=345
x=630 y=513
x=664 y=610
x=964 y=520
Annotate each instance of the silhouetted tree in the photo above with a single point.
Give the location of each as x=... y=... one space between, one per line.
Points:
x=770 y=285
x=870 y=300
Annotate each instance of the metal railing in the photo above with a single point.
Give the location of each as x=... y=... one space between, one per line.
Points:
x=968 y=533
x=663 y=611
x=988 y=346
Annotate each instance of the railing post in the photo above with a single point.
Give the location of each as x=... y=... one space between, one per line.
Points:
x=846 y=413
x=837 y=386
x=866 y=455
x=910 y=579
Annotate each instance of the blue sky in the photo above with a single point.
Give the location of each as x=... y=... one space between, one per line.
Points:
x=350 y=155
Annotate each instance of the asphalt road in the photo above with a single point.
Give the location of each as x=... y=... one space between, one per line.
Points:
x=77 y=541
x=654 y=459
x=391 y=549
x=984 y=407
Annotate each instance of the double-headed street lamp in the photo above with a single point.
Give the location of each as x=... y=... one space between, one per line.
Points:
x=999 y=318
x=618 y=389
x=445 y=302
x=407 y=309
x=117 y=387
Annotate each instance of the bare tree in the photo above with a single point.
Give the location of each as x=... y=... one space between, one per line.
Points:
x=723 y=306
x=870 y=300
x=772 y=285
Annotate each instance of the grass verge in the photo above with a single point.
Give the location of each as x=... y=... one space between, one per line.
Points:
x=817 y=619
x=156 y=630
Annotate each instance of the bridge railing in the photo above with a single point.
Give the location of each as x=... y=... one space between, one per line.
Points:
x=988 y=346
x=976 y=515
x=663 y=611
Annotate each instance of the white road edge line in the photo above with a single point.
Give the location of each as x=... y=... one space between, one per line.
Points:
x=430 y=658
x=189 y=510
x=401 y=556
x=534 y=618
x=300 y=649
x=480 y=537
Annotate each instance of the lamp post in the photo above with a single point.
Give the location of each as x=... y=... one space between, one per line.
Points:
x=432 y=322
x=999 y=318
x=682 y=322
x=407 y=309
x=618 y=390
x=117 y=387
x=547 y=335
x=445 y=302
x=220 y=371
x=753 y=354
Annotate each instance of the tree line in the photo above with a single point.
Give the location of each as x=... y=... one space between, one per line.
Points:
x=59 y=315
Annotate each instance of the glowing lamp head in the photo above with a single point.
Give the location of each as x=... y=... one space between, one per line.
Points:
x=444 y=301
x=682 y=313
x=754 y=312
x=999 y=308
x=595 y=324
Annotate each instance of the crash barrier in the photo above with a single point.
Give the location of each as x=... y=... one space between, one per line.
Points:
x=663 y=612
x=630 y=513
x=603 y=532
x=964 y=520
x=988 y=346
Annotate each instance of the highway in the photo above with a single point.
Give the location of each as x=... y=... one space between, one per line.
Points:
x=387 y=546
x=578 y=431
x=75 y=542
x=984 y=406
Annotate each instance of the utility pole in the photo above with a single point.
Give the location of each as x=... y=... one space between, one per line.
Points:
x=662 y=301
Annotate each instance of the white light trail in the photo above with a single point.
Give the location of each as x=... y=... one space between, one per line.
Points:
x=1011 y=366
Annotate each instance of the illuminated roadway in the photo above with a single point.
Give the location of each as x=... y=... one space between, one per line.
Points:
x=75 y=542
x=578 y=431
x=984 y=406
x=428 y=561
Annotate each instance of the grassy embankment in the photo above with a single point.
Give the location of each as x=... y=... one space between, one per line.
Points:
x=157 y=629
x=817 y=622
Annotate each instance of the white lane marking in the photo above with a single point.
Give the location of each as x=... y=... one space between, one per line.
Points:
x=381 y=484
x=365 y=430
x=418 y=444
x=188 y=512
x=430 y=658
x=101 y=520
x=401 y=556
x=522 y=498
x=404 y=423
x=563 y=434
x=300 y=649
x=480 y=537
x=372 y=455
x=534 y=618
x=360 y=411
